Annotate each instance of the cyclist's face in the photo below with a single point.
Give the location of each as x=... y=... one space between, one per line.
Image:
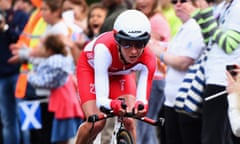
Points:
x=131 y=50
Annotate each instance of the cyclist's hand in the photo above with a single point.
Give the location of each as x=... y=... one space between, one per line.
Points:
x=140 y=109
x=117 y=107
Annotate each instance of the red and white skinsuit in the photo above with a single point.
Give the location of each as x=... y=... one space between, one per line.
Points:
x=102 y=75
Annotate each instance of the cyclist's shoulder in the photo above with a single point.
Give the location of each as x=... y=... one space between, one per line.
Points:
x=107 y=39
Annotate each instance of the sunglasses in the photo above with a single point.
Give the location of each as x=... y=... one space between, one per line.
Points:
x=136 y=45
x=127 y=45
x=176 y=1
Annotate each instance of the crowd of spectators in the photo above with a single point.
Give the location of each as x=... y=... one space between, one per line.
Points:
x=33 y=34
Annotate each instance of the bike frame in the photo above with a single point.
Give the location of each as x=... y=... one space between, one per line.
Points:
x=117 y=126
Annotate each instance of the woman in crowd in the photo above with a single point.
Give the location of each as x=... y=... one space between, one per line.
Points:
x=220 y=27
x=184 y=48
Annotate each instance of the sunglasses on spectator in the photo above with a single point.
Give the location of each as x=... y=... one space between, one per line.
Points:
x=176 y=1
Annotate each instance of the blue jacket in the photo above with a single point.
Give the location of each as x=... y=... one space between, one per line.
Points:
x=16 y=21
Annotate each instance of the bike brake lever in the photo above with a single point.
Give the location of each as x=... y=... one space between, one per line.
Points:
x=140 y=107
x=92 y=118
x=105 y=110
x=123 y=104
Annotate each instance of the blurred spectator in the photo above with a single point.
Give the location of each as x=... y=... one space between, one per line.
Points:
x=67 y=6
x=175 y=24
x=219 y=24
x=115 y=7
x=24 y=5
x=184 y=48
x=11 y=25
x=30 y=38
x=56 y=73
x=78 y=10
x=32 y=32
x=129 y=3
x=96 y=16
x=51 y=12
x=160 y=34
x=75 y=16
x=233 y=89
x=169 y=12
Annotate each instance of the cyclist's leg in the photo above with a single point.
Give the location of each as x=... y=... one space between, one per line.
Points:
x=86 y=132
x=85 y=77
x=129 y=122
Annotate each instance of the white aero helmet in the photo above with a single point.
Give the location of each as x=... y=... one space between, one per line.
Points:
x=132 y=25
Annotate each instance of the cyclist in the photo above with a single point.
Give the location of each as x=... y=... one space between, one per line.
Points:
x=106 y=71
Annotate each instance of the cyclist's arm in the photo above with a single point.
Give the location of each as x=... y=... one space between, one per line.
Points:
x=228 y=40
x=102 y=61
x=145 y=80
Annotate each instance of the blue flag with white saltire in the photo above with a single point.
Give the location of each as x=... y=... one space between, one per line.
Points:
x=30 y=115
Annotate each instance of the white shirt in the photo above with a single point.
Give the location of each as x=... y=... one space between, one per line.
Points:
x=217 y=58
x=58 y=28
x=187 y=42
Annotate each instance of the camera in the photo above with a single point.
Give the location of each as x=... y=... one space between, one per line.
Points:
x=230 y=69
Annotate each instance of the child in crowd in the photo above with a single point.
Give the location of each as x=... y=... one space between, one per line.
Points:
x=55 y=72
x=77 y=10
x=96 y=17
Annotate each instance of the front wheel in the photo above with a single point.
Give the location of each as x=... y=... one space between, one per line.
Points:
x=124 y=137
